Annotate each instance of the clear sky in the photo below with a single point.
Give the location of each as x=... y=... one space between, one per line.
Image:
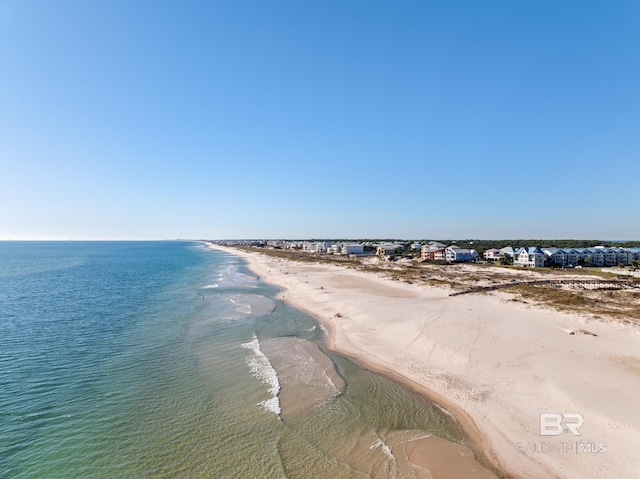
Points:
x=299 y=119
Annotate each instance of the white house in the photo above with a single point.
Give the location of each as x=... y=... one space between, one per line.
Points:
x=334 y=249
x=352 y=248
x=530 y=257
x=492 y=254
x=508 y=251
x=320 y=247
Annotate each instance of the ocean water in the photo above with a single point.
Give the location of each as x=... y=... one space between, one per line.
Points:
x=169 y=359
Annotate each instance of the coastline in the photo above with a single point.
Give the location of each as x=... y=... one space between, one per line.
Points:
x=495 y=365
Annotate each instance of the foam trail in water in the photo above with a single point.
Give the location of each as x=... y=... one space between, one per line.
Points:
x=387 y=451
x=242 y=308
x=385 y=448
x=448 y=413
x=331 y=384
x=261 y=367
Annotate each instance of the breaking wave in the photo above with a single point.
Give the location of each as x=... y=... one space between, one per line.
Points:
x=262 y=369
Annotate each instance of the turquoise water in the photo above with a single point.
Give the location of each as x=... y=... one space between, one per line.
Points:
x=145 y=359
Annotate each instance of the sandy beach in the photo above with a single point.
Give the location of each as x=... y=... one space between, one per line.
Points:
x=495 y=364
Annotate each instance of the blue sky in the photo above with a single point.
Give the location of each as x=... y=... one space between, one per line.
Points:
x=255 y=119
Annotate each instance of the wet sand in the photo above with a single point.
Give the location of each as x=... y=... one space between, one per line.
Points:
x=308 y=380
x=308 y=377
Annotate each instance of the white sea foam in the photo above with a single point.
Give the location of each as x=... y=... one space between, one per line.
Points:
x=211 y=286
x=331 y=384
x=262 y=369
x=242 y=307
x=252 y=304
x=385 y=448
x=387 y=451
x=448 y=413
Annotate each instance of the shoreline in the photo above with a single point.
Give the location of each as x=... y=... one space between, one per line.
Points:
x=479 y=443
x=482 y=363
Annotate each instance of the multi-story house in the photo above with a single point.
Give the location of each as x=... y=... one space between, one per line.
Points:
x=530 y=257
x=429 y=253
x=352 y=248
x=453 y=254
x=508 y=251
x=573 y=257
x=610 y=257
x=635 y=252
x=625 y=257
x=597 y=256
x=492 y=254
x=387 y=249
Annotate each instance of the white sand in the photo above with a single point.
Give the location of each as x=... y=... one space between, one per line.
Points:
x=494 y=363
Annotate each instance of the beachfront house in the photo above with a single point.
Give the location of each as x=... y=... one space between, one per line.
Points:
x=626 y=256
x=596 y=256
x=573 y=257
x=492 y=254
x=387 y=249
x=320 y=247
x=586 y=256
x=352 y=248
x=431 y=253
x=440 y=255
x=508 y=251
x=334 y=249
x=603 y=256
x=634 y=254
x=453 y=254
x=556 y=256
x=529 y=257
